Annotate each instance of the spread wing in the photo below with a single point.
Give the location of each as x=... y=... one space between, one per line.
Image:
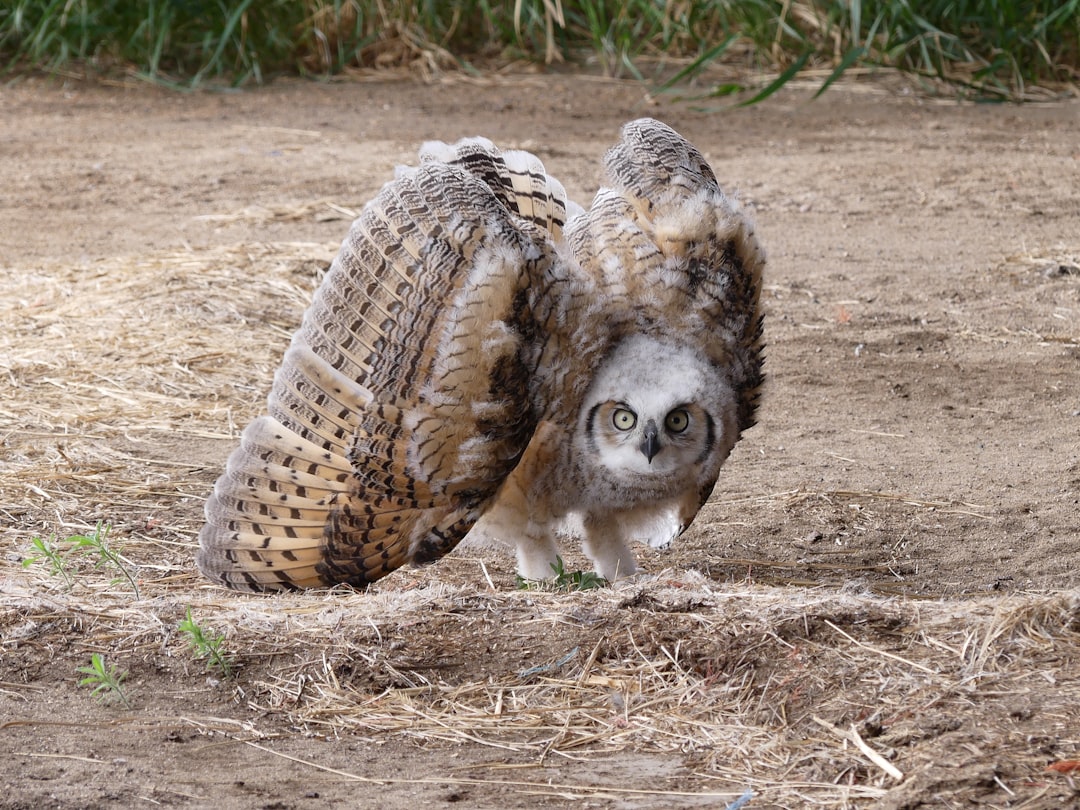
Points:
x=677 y=255
x=407 y=395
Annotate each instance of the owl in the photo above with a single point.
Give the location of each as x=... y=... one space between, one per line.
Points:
x=485 y=353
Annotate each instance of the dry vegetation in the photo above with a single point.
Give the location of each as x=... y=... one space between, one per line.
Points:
x=123 y=372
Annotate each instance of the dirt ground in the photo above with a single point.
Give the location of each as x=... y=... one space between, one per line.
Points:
x=915 y=472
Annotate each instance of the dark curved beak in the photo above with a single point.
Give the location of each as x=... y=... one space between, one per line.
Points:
x=650 y=445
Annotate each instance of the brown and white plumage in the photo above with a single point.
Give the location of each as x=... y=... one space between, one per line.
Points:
x=483 y=348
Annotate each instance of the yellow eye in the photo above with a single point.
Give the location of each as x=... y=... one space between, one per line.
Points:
x=677 y=421
x=623 y=419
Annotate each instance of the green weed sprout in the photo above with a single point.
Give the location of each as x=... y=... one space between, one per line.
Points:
x=97 y=545
x=47 y=550
x=564 y=580
x=106 y=681
x=206 y=645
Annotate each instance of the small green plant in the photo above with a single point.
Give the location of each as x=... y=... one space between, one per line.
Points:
x=58 y=555
x=47 y=550
x=98 y=544
x=563 y=580
x=206 y=645
x=105 y=680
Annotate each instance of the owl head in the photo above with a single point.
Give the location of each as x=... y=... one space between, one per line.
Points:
x=656 y=413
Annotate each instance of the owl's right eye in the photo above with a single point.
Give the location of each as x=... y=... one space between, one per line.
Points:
x=623 y=419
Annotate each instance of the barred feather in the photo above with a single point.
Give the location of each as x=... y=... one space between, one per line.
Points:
x=403 y=400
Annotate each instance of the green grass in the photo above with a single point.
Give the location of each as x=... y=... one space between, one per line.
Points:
x=997 y=48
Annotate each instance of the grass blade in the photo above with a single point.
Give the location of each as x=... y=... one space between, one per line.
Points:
x=701 y=62
x=214 y=62
x=779 y=81
x=850 y=58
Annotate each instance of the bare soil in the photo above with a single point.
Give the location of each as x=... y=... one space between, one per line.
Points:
x=894 y=548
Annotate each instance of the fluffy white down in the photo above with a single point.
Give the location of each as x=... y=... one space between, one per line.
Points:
x=651 y=369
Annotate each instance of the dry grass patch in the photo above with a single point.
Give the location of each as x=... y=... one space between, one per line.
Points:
x=809 y=698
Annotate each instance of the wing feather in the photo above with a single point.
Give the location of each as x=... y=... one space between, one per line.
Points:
x=404 y=399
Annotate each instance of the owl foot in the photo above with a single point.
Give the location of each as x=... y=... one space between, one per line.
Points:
x=537 y=558
x=610 y=555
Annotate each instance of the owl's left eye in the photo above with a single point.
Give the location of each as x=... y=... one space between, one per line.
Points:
x=677 y=421
x=623 y=419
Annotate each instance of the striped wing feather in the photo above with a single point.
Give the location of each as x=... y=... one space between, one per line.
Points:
x=518 y=179
x=404 y=398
